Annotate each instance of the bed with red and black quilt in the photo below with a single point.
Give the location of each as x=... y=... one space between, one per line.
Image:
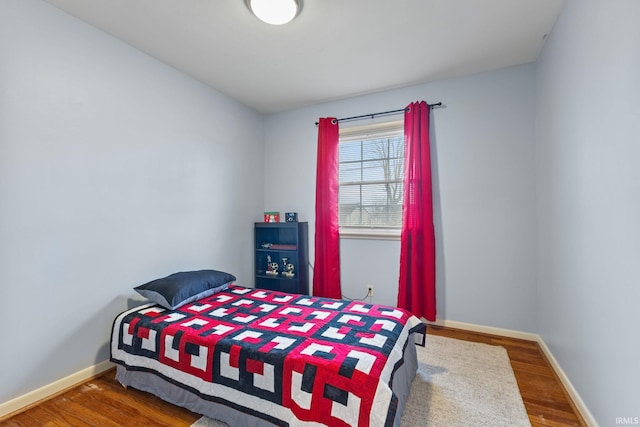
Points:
x=253 y=357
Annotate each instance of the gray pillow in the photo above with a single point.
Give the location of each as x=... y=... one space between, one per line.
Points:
x=181 y=288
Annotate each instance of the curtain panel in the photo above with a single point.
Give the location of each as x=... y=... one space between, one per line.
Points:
x=417 y=282
x=326 y=269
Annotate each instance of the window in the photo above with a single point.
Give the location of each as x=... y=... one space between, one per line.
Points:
x=371 y=180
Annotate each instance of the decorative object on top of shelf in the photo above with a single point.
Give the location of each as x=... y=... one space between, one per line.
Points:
x=272 y=217
x=265 y=245
x=291 y=217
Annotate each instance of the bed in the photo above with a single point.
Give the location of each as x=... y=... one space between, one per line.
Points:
x=253 y=357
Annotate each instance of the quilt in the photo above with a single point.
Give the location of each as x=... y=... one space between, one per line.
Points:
x=289 y=359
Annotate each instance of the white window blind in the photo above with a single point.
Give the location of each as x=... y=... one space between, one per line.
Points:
x=371 y=178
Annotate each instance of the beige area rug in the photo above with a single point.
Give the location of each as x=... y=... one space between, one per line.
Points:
x=459 y=383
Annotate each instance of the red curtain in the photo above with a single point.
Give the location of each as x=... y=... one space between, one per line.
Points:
x=326 y=269
x=417 y=284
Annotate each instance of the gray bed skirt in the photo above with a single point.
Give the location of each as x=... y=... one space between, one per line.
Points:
x=236 y=416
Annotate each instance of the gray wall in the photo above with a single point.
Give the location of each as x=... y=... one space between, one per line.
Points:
x=588 y=85
x=114 y=169
x=484 y=154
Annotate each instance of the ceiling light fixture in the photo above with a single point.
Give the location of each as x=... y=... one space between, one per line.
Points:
x=275 y=12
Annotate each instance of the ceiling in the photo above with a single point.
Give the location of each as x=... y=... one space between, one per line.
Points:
x=334 y=49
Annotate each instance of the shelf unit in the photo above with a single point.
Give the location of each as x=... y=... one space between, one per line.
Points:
x=287 y=245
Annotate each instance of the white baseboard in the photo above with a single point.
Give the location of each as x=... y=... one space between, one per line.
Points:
x=24 y=401
x=577 y=400
x=573 y=393
x=487 y=330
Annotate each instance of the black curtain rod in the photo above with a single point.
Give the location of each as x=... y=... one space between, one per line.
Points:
x=383 y=113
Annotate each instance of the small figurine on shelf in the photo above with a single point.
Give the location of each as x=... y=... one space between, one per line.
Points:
x=274 y=269
x=287 y=268
x=288 y=271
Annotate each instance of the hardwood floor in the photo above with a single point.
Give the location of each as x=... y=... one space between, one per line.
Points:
x=104 y=402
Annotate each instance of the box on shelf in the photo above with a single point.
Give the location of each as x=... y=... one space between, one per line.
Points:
x=272 y=217
x=291 y=216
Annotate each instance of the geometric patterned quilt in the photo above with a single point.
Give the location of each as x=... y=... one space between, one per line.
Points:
x=289 y=359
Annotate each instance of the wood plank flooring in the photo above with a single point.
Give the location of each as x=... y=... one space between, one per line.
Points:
x=104 y=402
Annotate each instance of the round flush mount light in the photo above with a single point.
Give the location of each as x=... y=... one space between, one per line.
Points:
x=275 y=12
